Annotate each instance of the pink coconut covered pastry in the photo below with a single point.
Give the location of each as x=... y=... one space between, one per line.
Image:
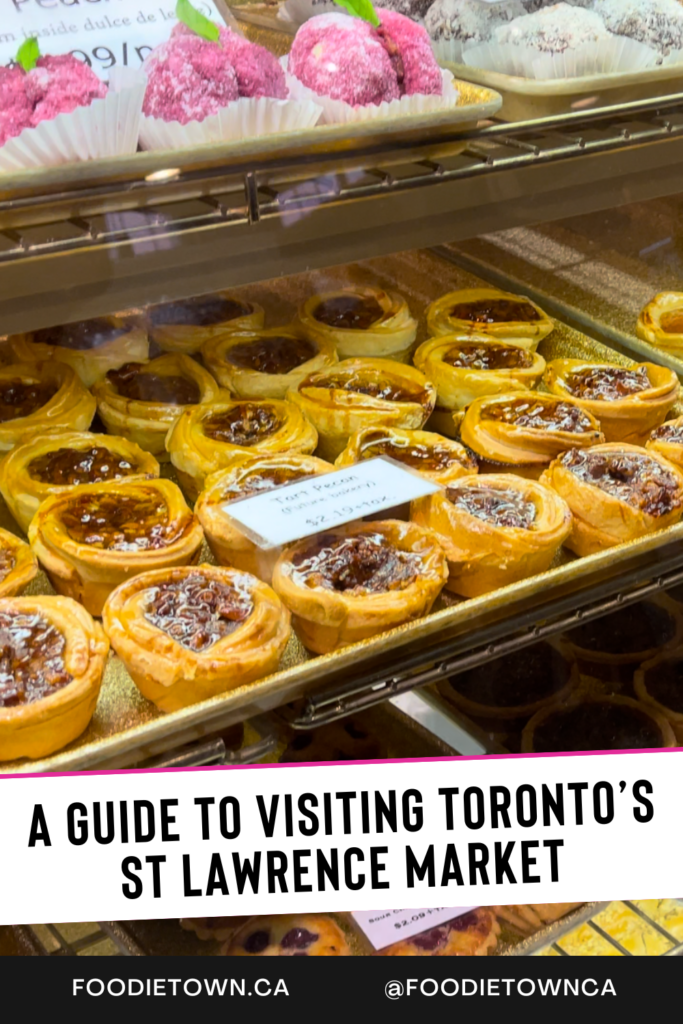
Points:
x=190 y=78
x=348 y=59
x=15 y=108
x=58 y=85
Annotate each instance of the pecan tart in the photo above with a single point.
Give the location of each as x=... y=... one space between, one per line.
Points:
x=362 y=322
x=91 y=348
x=629 y=402
x=658 y=682
x=464 y=368
x=472 y=934
x=617 y=493
x=492 y=313
x=142 y=401
x=360 y=393
x=207 y=438
x=42 y=465
x=667 y=441
x=245 y=479
x=18 y=564
x=523 y=433
x=436 y=457
x=186 y=324
x=187 y=634
x=41 y=398
x=597 y=723
x=527 y=918
x=53 y=657
x=266 y=363
x=495 y=530
x=661 y=323
x=95 y=536
x=356 y=581
x=289 y=935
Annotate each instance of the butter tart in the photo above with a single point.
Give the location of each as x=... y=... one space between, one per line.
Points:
x=527 y=918
x=245 y=479
x=667 y=441
x=266 y=363
x=597 y=723
x=492 y=313
x=617 y=493
x=91 y=348
x=42 y=465
x=95 y=536
x=289 y=935
x=495 y=530
x=356 y=581
x=472 y=934
x=41 y=397
x=348 y=740
x=360 y=393
x=523 y=433
x=362 y=322
x=186 y=324
x=53 y=657
x=142 y=401
x=629 y=402
x=659 y=684
x=464 y=368
x=18 y=564
x=661 y=322
x=436 y=457
x=186 y=634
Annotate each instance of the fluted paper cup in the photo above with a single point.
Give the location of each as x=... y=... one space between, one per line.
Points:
x=299 y=11
x=617 y=55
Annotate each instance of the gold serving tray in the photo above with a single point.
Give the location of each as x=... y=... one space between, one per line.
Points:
x=126 y=729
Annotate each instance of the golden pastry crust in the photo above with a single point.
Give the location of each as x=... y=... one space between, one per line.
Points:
x=289 y=935
x=362 y=322
x=141 y=402
x=466 y=367
x=661 y=322
x=617 y=493
x=472 y=934
x=207 y=438
x=18 y=564
x=597 y=723
x=96 y=536
x=667 y=441
x=266 y=363
x=432 y=455
x=523 y=433
x=356 y=581
x=492 y=313
x=495 y=530
x=184 y=326
x=527 y=918
x=629 y=402
x=91 y=348
x=41 y=397
x=359 y=393
x=61 y=630
x=190 y=633
x=42 y=465
x=248 y=477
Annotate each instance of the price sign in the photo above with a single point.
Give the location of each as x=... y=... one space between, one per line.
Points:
x=384 y=927
x=101 y=33
x=310 y=506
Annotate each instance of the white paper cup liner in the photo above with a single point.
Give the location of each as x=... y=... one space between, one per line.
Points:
x=108 y=127
x=506 y=60
x=618 y=55
x=300 y=11
x=245 y=118
x=447 y=51
x=673 y=57
x=339 y=112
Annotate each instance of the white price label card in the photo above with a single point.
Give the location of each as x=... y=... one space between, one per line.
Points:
x=309 y=506
x=384 y=927
x=102 y=33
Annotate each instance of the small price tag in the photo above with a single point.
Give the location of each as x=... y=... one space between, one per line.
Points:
x=306 y=507
x=384 y=927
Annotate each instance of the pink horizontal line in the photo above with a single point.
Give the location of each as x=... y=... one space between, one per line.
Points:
x=326 y=764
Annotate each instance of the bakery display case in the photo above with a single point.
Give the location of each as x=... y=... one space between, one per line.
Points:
x=487 y=295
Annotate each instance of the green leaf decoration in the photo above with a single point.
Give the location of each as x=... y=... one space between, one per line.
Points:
x=28 y=54
x=195 y=20
x=360 y=9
